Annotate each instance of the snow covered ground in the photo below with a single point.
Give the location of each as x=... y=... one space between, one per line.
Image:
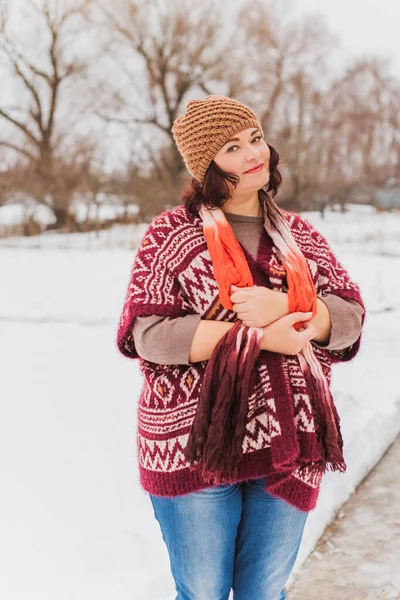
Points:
x=74 y=522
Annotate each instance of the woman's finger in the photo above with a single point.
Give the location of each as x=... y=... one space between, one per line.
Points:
x=308 y=334
x=238 y=306
x=239 y=297
x=296 y=317
x=242 y=294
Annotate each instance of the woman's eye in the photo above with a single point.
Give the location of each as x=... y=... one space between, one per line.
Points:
x=258 y=138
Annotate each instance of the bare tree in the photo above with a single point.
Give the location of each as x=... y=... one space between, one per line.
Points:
x=288 y=57
x=37 y=129
x=393 y=134
x=360 y=103
x=170 y=51
x=279 y=47
x=331 y=129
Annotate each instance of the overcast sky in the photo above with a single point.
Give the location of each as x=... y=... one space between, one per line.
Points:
x=365 y=26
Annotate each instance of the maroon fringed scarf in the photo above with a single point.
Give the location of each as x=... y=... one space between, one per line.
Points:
x=215 y=440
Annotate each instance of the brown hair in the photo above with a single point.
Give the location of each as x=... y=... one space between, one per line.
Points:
x=215 y=189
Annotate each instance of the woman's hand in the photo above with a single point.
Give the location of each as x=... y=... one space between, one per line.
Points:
x=258 y=306
x=282 y=337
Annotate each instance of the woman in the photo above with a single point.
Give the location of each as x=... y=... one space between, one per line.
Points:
x=237 y=310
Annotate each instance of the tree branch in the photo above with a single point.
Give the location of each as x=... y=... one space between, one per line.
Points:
x=21 y=126
x=33 y=91
x=25 y=61
x=18 y=149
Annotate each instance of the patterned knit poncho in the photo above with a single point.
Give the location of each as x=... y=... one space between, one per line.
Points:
x=173 y=276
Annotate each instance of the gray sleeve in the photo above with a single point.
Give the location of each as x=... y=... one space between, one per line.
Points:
x=346 y=317
x=165 y=340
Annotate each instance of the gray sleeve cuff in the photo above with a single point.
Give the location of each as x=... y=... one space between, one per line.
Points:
x=165 y=340
x=346 y=318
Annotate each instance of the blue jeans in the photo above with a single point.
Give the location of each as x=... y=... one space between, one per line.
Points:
x=227 y=537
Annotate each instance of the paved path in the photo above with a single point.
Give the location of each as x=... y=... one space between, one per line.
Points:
x=358 y=557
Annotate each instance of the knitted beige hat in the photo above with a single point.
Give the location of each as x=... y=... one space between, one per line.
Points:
x=207 y=125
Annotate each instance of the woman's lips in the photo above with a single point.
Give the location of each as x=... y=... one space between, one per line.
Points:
x=256 y=169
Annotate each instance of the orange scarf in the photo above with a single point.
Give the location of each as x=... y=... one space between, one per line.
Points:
x=228 y=371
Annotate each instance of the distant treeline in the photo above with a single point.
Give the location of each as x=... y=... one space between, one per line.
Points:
x=90 y=90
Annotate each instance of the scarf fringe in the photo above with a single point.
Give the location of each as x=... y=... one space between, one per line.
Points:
x=216 y=438
x=330 y=442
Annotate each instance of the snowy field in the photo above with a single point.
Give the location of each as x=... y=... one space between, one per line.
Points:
x=74 y=523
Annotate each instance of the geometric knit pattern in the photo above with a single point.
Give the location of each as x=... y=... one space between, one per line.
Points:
x=172 y=275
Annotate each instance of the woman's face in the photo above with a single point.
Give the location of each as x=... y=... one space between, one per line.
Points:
x=246 y=155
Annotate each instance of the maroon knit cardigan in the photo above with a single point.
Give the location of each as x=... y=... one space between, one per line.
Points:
x=172 y=276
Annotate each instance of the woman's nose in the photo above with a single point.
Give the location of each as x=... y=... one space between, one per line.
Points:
x=251 y=153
